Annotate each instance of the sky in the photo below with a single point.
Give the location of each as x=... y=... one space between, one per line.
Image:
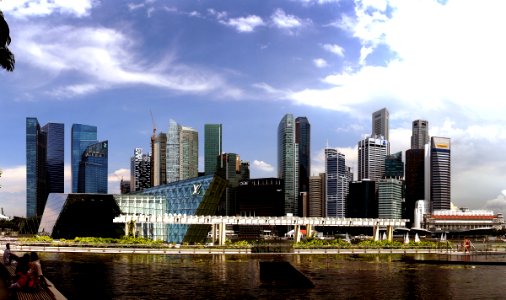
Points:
x=129 y=66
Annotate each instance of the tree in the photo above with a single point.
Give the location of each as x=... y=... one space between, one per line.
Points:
x=6 y=57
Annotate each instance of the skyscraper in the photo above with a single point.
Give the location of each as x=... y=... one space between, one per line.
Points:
x=394 y=167
x=380 y=123
x=288 y=163
x=188 y=153
x=93 y=169
x=336 y=184
x=440 y=174
x=317 y=195
x=420 y=134
x=372 y=152
x=212 y=147
x=389 y=198
x=303 y=138
x=82 y=136
x=140 y=171
x=173 y=152
x=159 y=153
x=44 y=164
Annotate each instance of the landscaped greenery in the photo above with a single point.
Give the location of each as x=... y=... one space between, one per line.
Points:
x=367 y=244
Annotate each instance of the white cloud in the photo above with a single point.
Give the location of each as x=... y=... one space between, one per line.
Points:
x=26 y=8
x=218 y=14
x=262 y=166
x=334 y=48
x=320 y=62
x=102 y=58
x=244 y=24
x=13 y=179
x=498 y=204
x=119 y=174
x=282 y=20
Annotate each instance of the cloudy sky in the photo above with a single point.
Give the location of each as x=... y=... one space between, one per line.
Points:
x=247 y=63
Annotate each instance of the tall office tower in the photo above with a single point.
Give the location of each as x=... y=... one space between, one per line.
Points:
x=380 y=125
x=288 y=163
x=212 y=147
x=140 y=171
x=420 y=135
x=389 y=198
x=371 y=158
x=245 y=170
x=173 y=151
x=415 y=181
x=159 y=158
x=44 y=164
x=82 y=136
x=394 y=167
x=317 y=195
x=93 y=169
x=336 y=184
x=303 y=138
x=188 y=153
x=229 y=167
x=440 y=174
x=362 y=201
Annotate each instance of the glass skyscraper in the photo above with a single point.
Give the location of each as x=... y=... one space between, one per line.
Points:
x=336 y=183
x=93 y=169
x=182 y=152
x=82 y=137
x=303 y=138
x=288 y=163
x=212 y=147
x=173 y=151
x=44 y=164
x=389 y=198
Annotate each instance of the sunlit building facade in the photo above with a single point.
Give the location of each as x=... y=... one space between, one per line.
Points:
x=93 y=169
x=140 y=171
x=288 y=163
x=82 y=136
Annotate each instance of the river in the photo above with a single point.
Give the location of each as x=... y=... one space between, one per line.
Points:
x=380 y=276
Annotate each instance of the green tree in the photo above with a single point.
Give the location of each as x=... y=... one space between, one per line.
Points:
x=7 y=60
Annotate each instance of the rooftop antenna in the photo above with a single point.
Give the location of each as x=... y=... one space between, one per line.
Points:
x=154 y=125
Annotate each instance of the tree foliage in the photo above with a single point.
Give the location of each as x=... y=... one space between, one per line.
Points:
x=7 y=60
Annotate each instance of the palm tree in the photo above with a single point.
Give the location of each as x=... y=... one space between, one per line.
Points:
x=6 y=57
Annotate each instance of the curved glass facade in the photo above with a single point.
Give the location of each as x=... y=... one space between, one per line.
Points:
x=82 y=137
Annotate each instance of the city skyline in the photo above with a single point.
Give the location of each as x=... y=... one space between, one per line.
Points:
x=247 y=65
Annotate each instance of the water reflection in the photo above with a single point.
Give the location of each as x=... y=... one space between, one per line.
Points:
x=124 y=276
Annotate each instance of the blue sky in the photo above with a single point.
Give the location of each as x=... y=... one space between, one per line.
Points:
x=247 y=63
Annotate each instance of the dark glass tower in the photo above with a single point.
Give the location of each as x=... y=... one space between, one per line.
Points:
x=415 y=181
x=82 y=137
x=44 y=164
x=440 y=174
x=212 y=147
x=303 y=138
x=288 y=163
x=93 y=169
x=394 y=167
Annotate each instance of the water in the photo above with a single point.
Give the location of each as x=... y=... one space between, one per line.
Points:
x=137 y=276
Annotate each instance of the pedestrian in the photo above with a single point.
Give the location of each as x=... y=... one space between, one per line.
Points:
x=8 y=255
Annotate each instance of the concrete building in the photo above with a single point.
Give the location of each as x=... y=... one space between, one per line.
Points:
x=317 y=196
x=381 y=125
x=140 y=171
x=420 y=134
x=372 y=152
x=463 y=220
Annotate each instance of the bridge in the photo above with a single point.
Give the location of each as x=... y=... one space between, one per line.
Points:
x=219 y=223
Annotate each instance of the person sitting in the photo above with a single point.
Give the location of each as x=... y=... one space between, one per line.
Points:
x=8 y=255
x=36 y=269
x=22 y=276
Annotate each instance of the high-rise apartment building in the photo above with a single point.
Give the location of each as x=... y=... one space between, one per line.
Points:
x=212 y=147
x=336 y=184
x=140 y=171
x=159 y=158
x=303 y=138
x=440 y=174
x=317 y=196
x=372 y=152
x=420 y=134
x=288 y=163
x=44 y=164
x=82 y=136
x=188 y=153
x=93 y=169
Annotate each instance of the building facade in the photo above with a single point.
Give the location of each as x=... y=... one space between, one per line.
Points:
x=440 y=174
x=212 y=147
x=381 y=125
x=415 y=181
x=390 y=198
x=336 y=184
x=44 y=164
x=420 y=134
x=362 y=201
x=82 y=136
x=288 y=163
x=188 y=153
x=159 y=167
x=93 y=169
x=372 y=152
x=317 y=196
x=140 y=171
x=303 y=139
